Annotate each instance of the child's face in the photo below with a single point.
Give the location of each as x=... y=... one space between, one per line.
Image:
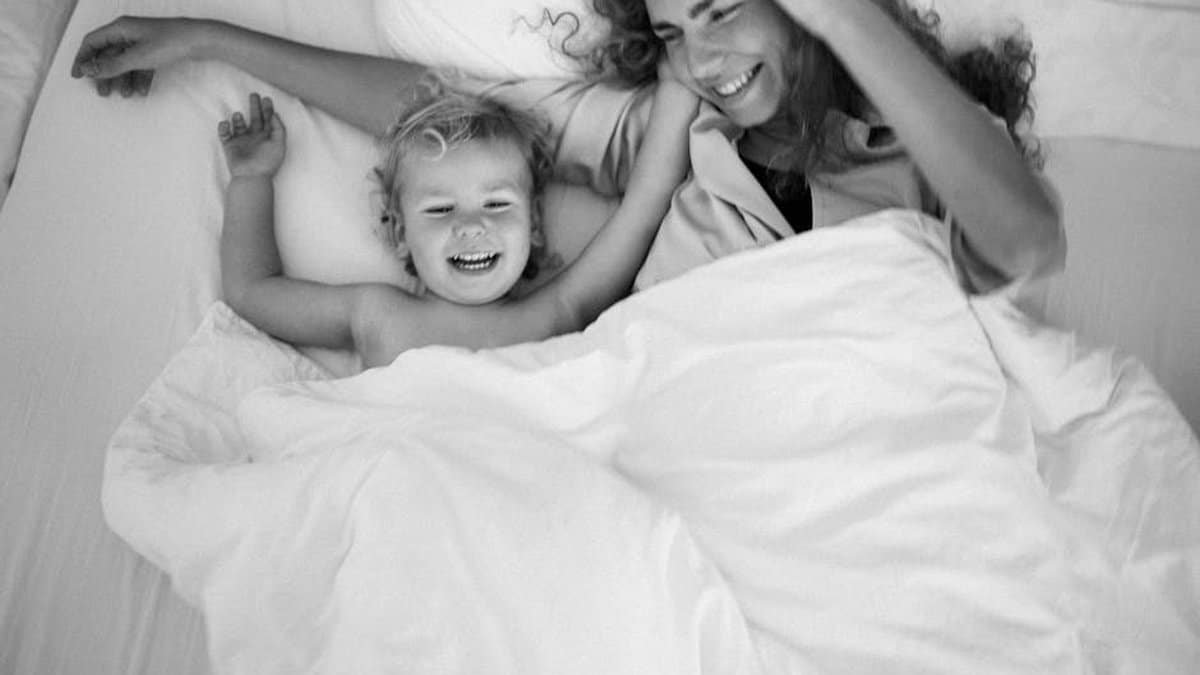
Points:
x=467 y=218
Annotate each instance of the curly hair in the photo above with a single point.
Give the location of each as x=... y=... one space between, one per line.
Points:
x=448 y=118
x=998 y=75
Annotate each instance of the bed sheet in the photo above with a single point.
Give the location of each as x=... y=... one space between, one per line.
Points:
x=1132 y=216
x=104 y=273
x=29 y=34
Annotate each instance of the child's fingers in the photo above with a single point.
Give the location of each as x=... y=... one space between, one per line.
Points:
x=239 y=123
x=256 y=113
x=268 y=111
x=223 y=131
x=277 y=128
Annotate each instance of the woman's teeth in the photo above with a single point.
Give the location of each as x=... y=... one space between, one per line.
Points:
x=737 y=84
x=474 y=262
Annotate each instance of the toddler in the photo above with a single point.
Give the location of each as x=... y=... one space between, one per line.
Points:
x=463 y=178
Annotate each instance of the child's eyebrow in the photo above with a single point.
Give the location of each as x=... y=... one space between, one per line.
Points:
x=506 y=184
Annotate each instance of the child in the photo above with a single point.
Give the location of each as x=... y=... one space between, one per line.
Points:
x=463 y=206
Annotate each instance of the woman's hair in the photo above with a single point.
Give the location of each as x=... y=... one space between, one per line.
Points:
x=998 y=75
x=446 y=118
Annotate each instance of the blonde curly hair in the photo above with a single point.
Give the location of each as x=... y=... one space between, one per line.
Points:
x=448 y=118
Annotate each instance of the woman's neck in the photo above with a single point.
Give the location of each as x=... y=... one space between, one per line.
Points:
x=761 y=145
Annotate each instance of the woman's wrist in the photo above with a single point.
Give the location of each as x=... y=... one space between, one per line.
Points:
x=206 y=38
x=828 y=21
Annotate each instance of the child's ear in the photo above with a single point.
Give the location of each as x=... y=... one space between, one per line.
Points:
x=537 y=234
x=402 y=252
x=392 y=229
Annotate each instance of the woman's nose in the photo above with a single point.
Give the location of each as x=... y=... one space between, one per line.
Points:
x=703 y=60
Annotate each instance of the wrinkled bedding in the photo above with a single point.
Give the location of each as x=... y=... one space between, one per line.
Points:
x=815 y=457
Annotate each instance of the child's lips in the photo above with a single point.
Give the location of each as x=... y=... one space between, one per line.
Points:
x=474 y=262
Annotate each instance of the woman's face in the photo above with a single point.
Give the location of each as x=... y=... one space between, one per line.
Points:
x=732 y=53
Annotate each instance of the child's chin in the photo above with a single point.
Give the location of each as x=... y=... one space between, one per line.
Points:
x=473 y=299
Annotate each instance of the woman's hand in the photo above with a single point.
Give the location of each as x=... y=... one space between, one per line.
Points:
x=123 y=55
x=255 y=148
x=1008 y=217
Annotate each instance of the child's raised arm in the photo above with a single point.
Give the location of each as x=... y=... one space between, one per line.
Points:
x=252 y=280
x=604 y=272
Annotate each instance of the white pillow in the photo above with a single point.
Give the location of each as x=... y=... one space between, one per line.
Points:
x=513 y=39
x=326 y=206
x=1126 y=70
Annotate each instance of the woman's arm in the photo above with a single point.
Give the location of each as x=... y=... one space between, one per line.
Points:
x=1006 y=215
x=361 y=89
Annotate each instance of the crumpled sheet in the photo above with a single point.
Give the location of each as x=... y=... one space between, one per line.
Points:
x=817 y=457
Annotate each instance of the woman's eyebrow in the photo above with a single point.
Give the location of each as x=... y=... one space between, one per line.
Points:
x=699 y=8
x=693 y=12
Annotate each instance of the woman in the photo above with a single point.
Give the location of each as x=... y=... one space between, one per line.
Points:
x=848 y=101
x=761 y=65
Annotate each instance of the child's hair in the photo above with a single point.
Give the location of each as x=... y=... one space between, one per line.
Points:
x=450 y=118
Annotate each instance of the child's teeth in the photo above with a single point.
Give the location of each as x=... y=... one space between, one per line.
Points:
x=473 y=261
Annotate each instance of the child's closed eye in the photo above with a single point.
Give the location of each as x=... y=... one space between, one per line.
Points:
x=439 y=210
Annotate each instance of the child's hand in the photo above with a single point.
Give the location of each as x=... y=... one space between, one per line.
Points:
x=669 y=81
x=255 y=148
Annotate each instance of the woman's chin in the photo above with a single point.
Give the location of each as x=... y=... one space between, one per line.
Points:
x=748 y=112
x=747 y=119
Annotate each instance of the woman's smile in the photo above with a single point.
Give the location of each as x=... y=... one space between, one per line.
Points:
x=738 y=84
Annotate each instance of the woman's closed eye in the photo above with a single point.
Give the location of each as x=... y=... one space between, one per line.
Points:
x=719 y=14
x=668 y=36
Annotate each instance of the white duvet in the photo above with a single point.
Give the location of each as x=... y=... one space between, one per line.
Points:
x=818 y=457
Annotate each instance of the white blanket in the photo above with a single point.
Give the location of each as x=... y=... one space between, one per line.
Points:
x=815 y=457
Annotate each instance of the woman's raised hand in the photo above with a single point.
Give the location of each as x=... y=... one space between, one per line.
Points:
x=123 y=55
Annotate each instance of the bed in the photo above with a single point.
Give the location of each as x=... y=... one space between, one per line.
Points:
x=1079 y=551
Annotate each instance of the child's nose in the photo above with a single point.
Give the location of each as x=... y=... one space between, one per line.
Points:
x=469 y=226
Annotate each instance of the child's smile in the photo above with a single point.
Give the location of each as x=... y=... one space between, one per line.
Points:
x=474 y=263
